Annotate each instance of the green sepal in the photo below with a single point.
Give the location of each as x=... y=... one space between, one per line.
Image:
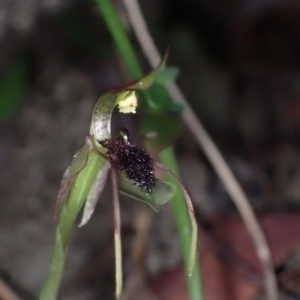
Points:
x=162 y=193
x=78 y=163
x=83 y=183
x=146 y=81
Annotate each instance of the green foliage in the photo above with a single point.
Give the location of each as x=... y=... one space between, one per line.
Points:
x=13 y=87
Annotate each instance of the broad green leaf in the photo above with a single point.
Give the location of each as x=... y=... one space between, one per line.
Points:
x=162 y=193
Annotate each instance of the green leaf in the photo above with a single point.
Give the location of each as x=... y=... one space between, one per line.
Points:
x=162 y=193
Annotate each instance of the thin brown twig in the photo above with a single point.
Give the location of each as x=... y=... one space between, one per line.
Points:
x=137 y=280
x=117 y=233
x=6 y=293
x=211 y=151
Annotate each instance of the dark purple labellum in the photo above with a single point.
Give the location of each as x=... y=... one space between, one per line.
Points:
x=135 y=161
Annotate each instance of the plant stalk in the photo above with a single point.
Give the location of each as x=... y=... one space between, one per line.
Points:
x=167 y=156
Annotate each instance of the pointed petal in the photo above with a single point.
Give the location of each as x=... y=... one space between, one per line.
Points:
x=94 y=194
x=189 y=204
x=145 y=82
x=78 y=163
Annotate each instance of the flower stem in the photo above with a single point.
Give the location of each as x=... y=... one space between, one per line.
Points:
x=120 y=38
x=66 y=222
x=167 y=156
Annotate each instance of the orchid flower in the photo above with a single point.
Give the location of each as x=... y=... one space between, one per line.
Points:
x=84 y=180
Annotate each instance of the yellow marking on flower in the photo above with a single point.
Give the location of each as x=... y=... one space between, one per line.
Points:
x=128 y=104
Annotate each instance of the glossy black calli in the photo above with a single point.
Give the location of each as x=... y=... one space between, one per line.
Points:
x=135 y=161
